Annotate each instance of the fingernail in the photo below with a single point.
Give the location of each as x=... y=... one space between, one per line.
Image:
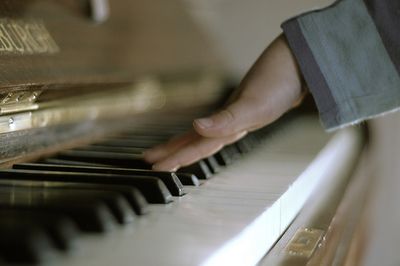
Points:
x=204 y=122
x=161 y=167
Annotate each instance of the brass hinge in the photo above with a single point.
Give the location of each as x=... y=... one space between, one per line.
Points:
x=18 y=101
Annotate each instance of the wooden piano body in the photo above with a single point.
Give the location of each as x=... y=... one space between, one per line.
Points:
x=75 y=72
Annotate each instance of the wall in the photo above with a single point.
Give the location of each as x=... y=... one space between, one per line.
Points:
x=240 y=30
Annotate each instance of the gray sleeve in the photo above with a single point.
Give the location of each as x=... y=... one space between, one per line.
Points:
x=349 y=54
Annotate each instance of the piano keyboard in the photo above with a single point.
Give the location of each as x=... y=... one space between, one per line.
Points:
x=101 y=204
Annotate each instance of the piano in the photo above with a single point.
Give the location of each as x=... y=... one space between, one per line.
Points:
x=86 y=86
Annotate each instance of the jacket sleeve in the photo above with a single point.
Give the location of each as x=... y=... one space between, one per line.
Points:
x=349 y=54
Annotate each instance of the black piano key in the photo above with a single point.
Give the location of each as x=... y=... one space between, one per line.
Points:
x=188 y=179
x=58 y=227
x=89 y=212
x=254 y=140
x=89 y=216
x=212 y=164
x=106 y=158
x=132 y=195
x=245 y=145
x=69 y=162
x=170 y=179
x=200 y=169
x=233 y=151
x=223 y=157
x=153 y=189
x=23 y=243
x=117 y=204
x=110 y=149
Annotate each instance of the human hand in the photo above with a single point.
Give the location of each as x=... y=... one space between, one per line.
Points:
x=271 y=87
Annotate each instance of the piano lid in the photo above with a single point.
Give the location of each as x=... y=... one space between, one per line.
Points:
x=58 y=44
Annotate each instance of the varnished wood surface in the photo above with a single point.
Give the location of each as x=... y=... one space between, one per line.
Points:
x=139 y=38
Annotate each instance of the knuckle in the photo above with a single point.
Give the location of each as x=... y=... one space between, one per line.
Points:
x=227 y=115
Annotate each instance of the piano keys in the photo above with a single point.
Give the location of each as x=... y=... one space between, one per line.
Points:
x=242 y=209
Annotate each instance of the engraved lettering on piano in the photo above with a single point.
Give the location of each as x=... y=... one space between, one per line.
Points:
x=26 y=37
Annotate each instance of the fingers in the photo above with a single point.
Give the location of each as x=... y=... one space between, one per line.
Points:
x=198 y=148
x=242 y=115
x=161 y=151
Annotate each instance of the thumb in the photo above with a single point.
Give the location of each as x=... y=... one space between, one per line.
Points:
x=239 y=116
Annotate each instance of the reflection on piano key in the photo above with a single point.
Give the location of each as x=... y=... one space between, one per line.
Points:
x=170 y=179
x=58 y=227
x=223 y=157
x=212 y=164
x=199 y=169
x=91 y=210
x=101 y=148
x=23 y=242
x=132 y=195
x=188 y=179
x=153 y=189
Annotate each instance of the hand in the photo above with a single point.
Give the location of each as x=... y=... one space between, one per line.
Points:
x=271 y=87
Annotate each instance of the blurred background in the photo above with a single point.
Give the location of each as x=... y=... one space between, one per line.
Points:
x=240 y=30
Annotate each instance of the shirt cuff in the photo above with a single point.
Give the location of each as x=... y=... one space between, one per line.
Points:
x=345 y=63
